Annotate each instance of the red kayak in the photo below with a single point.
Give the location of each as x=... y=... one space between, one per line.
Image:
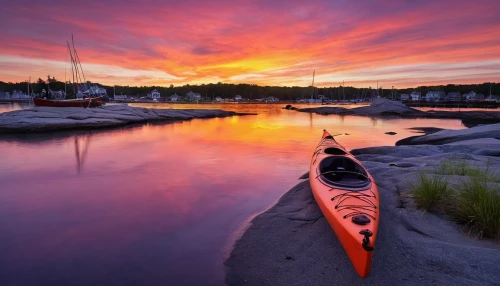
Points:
x=87 y=102
x=348 y=197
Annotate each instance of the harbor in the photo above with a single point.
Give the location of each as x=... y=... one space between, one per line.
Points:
x=252 y=143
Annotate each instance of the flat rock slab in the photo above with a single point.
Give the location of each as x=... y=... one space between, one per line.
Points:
x=64 y=118
x=292 y=244
x=450 y=136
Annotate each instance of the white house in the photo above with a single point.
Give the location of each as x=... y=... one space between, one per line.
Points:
x=154 y=94
x=415 y=95
x=435 y=96
x=454 y=96
x=4 y=95
x=472 y=96
x=237 y=98
x=404 y=97
x=193 y=96
x=218 y=99
x=120 y=97
x=174 y=97
x=271 y=99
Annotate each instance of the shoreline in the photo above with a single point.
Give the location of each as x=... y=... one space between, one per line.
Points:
x=292 y=244
x=383 y=108
x=48 y=119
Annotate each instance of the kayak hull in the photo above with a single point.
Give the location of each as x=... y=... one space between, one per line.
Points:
x=348 y=197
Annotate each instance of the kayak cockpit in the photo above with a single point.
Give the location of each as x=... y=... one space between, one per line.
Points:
x=343 y=173
x=334 y=151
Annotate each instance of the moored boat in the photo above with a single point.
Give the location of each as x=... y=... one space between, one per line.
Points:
x=87 y=102
x=348 y=197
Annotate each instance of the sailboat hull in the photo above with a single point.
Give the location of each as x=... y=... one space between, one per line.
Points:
x=89 y=102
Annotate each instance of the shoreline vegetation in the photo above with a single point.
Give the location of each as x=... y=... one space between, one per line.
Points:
x=439 y=220
x=253 y=91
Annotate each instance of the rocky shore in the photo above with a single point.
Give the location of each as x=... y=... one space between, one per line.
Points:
x=292 y=244
x=387 y=108
x=41 y=119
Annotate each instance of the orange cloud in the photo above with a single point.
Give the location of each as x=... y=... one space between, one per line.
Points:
x=258 y=42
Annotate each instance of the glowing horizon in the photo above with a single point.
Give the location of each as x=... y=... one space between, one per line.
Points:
x=395 y=42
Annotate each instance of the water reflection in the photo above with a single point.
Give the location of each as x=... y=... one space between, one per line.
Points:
x=155 y=203
x=81 y=151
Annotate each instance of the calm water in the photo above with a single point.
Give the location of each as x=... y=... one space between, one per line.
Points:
x=156 y=204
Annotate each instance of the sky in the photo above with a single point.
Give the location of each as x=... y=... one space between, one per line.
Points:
x=400 y=43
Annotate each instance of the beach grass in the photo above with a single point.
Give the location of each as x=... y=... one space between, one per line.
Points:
x=430 y=191
x=474 y=201
x=477 y=204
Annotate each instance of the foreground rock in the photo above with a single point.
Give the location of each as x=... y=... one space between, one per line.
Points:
x=64 y=118
x=383 y=108
x=292 y=244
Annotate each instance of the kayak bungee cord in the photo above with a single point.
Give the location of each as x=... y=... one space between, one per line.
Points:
x=360 y=195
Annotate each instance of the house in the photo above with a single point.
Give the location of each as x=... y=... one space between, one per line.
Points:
x=18 y=94
x=120 y=97
x=193 y=96
x=154 y=94
x=237 y=98
x=435 y=96
x=454 y=96
x=404 y=97
x=4 y=95
x=415 y=95
x=271 y=99
x=174 y=97
x=472 y=96
x=218 y=99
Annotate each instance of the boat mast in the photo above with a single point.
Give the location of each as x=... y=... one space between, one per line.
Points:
x=78 y=60
x=312 y=85
x=73 y=71
x=343 y=94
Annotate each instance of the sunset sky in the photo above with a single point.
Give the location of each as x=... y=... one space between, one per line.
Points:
x=401 y=43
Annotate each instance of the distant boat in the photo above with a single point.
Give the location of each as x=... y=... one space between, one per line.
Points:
x=87 y=102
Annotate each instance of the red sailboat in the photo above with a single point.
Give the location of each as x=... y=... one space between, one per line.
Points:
x=92 y=97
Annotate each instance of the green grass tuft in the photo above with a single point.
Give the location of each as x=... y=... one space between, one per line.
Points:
x=478 y=206
x=430 y=191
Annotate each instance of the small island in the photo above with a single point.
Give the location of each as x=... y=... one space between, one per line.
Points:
x=41 y=119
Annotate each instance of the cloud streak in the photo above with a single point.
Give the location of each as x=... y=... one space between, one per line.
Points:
x=260 y=42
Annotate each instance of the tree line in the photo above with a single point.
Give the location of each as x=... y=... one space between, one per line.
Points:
x=252 y=91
